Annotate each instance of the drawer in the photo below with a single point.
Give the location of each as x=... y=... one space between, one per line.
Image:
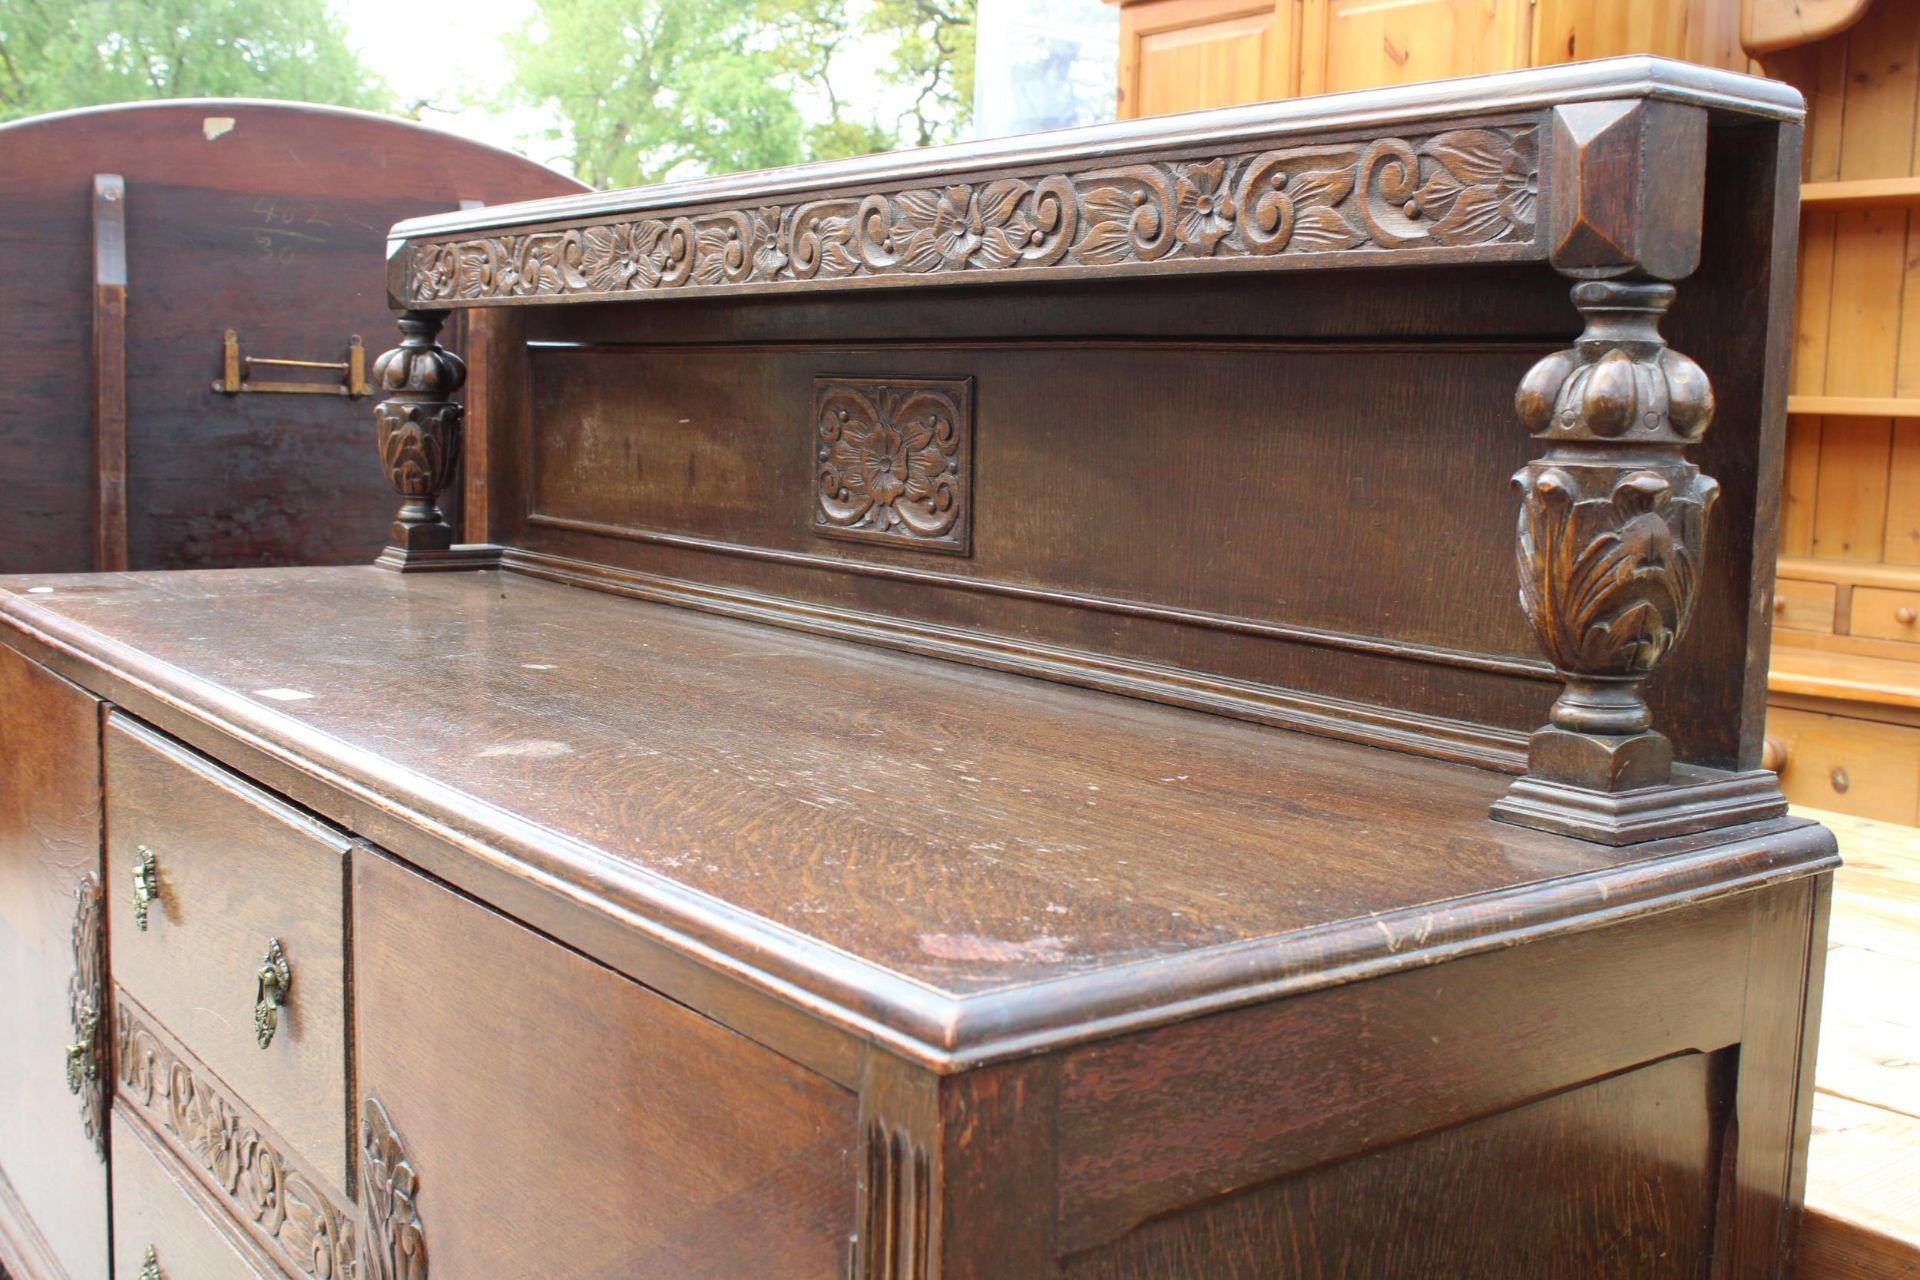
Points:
x=1804 y=606
x=1886 y=613
x=547 y=1107
x=235 y=870
x=1860 y=767
x=154 y=1209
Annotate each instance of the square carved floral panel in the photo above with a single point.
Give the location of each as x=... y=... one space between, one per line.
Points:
x=894 y=461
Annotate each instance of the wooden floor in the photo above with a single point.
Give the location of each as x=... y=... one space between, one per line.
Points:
x=1863 y=1168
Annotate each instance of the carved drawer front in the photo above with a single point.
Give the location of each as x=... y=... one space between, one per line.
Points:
x=226 y=917
x=523 y=1105
x=159 y=1231
x=1803 y=606
x=1886 y=613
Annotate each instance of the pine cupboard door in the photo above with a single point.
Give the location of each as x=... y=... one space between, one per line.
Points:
x=551 y=1117
x=53 y=1173
x=1368 y=44
x=1188 y=55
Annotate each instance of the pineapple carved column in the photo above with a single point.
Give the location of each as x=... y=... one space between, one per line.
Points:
x=419 y=434
x=1614 y=520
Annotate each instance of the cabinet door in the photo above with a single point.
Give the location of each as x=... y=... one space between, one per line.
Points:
x=1364 y=44
x=53 y=1174
x=528 y=1112
x=1188 y=55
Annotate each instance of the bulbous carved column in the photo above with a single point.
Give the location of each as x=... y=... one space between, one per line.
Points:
x=1613 y=524
x=419 y=427
x=1613 y=529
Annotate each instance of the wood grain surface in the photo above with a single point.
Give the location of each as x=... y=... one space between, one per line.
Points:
x=49 y=843
x=237 y=869
x=156 y=1207
x=638 y=1139
x=886 y=833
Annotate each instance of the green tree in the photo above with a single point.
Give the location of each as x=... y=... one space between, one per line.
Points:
x=933 y=50
x=648 y=89
x=56 y=54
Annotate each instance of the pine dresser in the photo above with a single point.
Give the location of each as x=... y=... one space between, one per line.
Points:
x=980 y=726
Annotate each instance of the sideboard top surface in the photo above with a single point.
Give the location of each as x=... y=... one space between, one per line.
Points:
x=960 y=861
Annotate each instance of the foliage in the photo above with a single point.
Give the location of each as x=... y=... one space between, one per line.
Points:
x=651 y=89
x=933 y=57
x=56 y=54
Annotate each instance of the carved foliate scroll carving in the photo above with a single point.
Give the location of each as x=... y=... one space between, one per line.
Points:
x=419 y=429
x=1613 y=526
x=393 y=1246
x=1462 y=188
x=894 y=461
x=896 y=1236
x=86 y=1010
x=312 y=1234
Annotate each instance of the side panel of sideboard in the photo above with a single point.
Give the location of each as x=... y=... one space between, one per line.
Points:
x=53 y=1173
x=1625 y=1101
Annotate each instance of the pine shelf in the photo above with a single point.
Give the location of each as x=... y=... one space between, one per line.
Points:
x=1856 y=406
x=1860 y=193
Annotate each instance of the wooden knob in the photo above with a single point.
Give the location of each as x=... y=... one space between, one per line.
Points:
x=1904 y=615
x=1779 y=605
x=1773 y=754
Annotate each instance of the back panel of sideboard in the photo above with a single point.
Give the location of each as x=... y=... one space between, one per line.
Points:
x=1284 y=497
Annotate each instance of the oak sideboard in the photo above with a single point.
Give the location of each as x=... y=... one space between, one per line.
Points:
x=1180 y=699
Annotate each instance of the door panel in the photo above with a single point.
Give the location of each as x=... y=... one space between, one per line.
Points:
x=51 y=1141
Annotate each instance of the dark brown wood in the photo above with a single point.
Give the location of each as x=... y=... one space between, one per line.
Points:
x=744 y=752
x=655 y=452
x=110 y=370
x=705 y=920
x=645 y=1140
x=170 y=1223
x=233 y=209
x=49 y=874
x=1613 y=1178
x=237 y=871
x=1634 y=174
x=419 y=430
x=238 y=1163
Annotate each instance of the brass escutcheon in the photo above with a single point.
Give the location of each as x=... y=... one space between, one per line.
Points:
x=146 y=887
x=275 y=977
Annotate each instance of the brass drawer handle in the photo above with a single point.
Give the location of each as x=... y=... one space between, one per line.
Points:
x=146 y=887
x=150 y=1267
x=82 y=1064
x=275 y=977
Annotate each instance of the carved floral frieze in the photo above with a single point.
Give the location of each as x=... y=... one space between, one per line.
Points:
x=1457 y=189
x=313 y=1235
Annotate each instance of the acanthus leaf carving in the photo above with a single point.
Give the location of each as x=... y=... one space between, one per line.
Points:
x=394 y=1246
x=1612 y=531
x=1462 y=188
